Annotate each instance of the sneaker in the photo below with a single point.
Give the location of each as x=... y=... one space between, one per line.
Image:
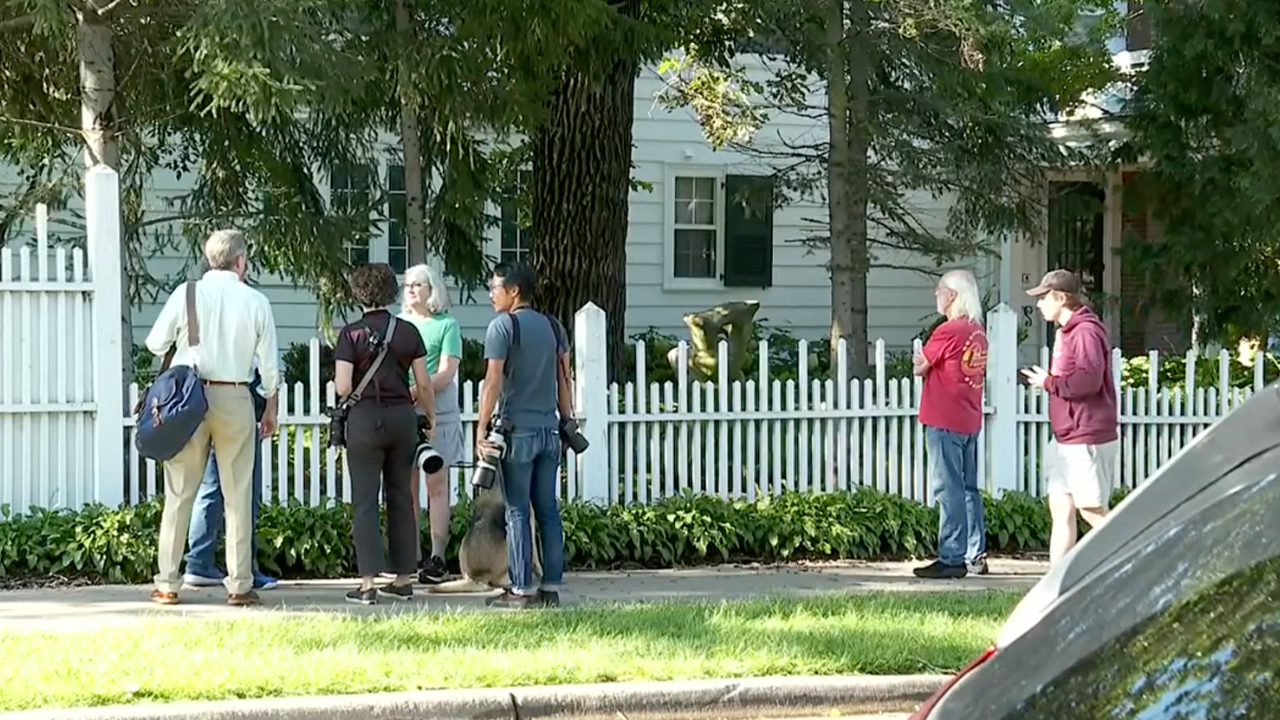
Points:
x=199 y=581
x=512 y=601
x=265 y=582
x=433 y=571
x=548 y=598
x=978 y=566
x=397 y=592
x=938 y=570
x=363 y=597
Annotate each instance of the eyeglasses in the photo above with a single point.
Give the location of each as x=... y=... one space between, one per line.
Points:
x=414 y=285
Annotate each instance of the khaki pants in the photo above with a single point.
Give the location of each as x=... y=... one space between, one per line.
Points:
x=229 y=426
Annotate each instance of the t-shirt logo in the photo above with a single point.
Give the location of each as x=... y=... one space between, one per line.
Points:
x=973 y=359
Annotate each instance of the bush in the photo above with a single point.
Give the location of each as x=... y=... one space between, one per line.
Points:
x=1172 y=372
x=100 y=544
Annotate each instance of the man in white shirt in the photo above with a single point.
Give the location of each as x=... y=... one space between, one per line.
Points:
x=235 y=325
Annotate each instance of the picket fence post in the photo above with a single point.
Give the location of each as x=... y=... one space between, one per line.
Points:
x=591 y=399
x=102 y=230
x=1002 y=381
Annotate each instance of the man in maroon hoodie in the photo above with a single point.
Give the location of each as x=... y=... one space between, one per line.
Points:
x=1079 y=463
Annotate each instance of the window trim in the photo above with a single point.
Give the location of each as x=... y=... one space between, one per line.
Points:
x=669 y=279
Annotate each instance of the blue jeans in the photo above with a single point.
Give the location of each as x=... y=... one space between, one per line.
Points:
x=207 y=520
x=530 y=474
x=962 y=531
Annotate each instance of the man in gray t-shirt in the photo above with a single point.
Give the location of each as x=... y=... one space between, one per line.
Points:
x=525 y=384
x=530 y=394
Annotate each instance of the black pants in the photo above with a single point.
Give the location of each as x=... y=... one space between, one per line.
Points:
x=380 y=445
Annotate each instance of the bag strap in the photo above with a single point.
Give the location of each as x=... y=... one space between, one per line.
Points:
x=193 y=327
x=355 y=395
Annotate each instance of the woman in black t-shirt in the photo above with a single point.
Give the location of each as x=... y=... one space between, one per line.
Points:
x=382 y=432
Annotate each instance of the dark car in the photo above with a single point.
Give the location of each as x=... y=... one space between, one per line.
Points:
x=1170 y=609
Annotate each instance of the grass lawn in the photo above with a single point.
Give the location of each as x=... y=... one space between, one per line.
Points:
x=168 y=660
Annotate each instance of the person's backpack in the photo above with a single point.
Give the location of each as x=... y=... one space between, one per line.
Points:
x=171 y=409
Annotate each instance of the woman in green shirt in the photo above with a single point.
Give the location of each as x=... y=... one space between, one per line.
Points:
x=426 y=305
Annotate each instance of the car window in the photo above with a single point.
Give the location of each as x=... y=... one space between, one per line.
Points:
x=1069 y=665
x=1214 y=655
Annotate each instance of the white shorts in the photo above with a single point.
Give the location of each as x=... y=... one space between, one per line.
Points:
x=1085 y=472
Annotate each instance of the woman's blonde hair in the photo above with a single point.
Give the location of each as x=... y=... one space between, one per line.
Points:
x=437 y=301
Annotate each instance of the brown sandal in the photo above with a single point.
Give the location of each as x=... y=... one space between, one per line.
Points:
x=244 y=599
x=161 y=597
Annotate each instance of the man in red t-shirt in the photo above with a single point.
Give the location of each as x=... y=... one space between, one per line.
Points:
x=954 y=363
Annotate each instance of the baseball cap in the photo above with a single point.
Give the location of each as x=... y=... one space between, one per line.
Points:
x=1060 y=280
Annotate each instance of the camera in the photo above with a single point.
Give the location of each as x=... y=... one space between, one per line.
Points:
x=574 y=439
x=337 y=426
x=487 y=464
x=425 y=457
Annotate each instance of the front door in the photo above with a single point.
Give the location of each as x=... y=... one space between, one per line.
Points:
x=1075 y=235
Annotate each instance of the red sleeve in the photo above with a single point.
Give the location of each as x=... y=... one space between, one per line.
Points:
x=941 y=342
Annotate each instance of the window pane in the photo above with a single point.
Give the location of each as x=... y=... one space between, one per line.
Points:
x=684 y=188
x=704 y=212
x=398 y=259
x=395 y=178
x=684 y=211
x=695 y=253
x=358 y=255
x=705 y=188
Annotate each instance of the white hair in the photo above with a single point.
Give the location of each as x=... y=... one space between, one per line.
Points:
x=967 y=302
x=224 y=247
x=437 y=301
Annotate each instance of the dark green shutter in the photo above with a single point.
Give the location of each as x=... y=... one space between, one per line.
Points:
x=748 y=231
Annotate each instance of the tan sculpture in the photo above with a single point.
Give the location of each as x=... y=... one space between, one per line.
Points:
x=731 y=321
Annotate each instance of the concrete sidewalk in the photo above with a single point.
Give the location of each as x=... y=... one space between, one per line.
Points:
x=86 y=608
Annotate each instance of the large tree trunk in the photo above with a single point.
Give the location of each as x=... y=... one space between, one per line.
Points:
x=411 y=145
x=101 y=143
x=848 y=72
x=581 y=183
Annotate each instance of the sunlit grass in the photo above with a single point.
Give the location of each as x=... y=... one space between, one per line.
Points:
x=169 y=660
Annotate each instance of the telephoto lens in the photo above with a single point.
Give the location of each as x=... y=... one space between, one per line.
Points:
x=487 y=464
x=425 y=456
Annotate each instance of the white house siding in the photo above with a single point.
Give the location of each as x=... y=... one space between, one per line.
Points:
x=668 y=144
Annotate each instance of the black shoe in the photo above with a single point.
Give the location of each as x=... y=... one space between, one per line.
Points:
x=547 y=598
x=363 y=597
x=978 y=566
x=397 y=592
x=433 y=571
x=512 y=601
x=938 y=570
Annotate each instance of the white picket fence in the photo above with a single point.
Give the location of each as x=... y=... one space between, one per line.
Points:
x=742 y=439
x=61 y=362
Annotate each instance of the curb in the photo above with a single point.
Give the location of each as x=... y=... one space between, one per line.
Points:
x=699 y=699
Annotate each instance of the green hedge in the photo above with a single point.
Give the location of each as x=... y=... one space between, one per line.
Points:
x=100 y=544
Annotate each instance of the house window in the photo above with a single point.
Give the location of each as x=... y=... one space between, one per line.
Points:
x=397 y=220
x=719 y=230
x=517 y=241
x=349 y=193
x=696 y=232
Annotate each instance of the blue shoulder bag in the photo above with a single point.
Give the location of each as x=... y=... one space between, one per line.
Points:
x=172 y=408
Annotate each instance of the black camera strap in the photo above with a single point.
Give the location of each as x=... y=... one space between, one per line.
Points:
x=355 y=395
